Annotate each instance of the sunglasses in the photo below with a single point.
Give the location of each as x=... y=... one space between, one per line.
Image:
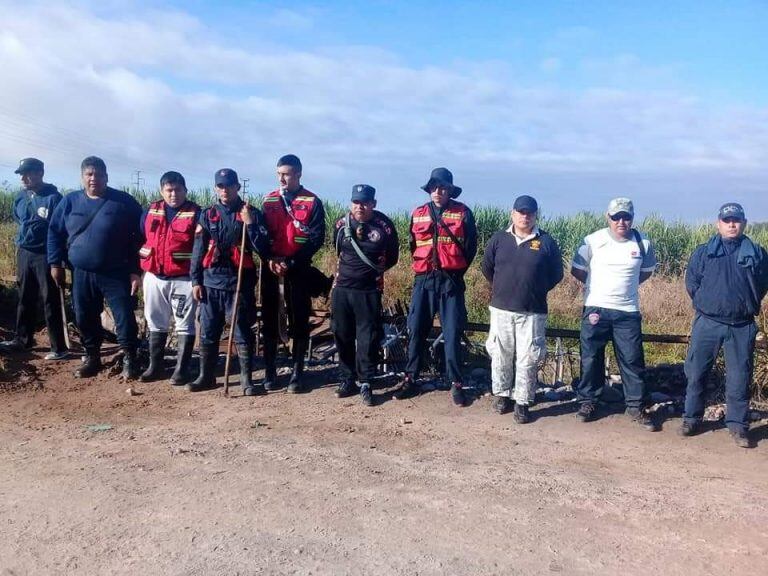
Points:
x=621 y=216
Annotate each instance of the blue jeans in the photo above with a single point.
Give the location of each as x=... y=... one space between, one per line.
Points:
x=598 y=326
x=738 y=343
x=89 y=290
x=436 y=293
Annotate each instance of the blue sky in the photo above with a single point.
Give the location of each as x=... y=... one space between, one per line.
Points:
x=572 y=102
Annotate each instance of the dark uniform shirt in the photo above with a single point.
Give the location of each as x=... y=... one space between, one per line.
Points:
x=227 y=232
x=377 y=239
x=522 y=274
x=32 y=211
x=109 y=242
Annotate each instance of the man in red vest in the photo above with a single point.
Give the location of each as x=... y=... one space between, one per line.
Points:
x=443 y=244
x=168 y=226
x=215 y=261
x=295 y=218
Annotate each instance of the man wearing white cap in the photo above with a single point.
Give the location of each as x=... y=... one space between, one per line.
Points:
x=612 y=263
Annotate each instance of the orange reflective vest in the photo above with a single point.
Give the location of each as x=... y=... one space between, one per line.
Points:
x=435 y=249
x=213 y=257
x=168 y=248
x=288 y=226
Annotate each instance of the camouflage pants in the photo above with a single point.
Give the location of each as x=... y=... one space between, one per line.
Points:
x=517 y=344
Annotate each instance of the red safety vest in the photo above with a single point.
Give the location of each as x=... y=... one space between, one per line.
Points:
x=288 y=233
x=211 y=258
x=168 y=249
x=449 y=255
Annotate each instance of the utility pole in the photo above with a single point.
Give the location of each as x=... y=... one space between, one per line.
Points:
x=245 y=186
x=139 y=180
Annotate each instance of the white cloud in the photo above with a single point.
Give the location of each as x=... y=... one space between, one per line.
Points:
x=159 y=90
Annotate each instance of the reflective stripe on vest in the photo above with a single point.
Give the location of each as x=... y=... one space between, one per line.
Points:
x=288 y=233
x=448 y=255
x=168 y=249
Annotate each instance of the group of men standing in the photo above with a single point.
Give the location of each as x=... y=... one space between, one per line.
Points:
x=213 y=259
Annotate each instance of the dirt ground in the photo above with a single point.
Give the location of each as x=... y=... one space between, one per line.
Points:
x=309 y=484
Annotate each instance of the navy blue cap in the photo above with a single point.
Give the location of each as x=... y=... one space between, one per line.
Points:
x=226 y=177
x=363 y=193
x=444 y=177
x=526 y=204
x=731 y=210
x=29 y=165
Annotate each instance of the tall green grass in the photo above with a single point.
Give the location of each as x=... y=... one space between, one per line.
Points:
x=674 y=241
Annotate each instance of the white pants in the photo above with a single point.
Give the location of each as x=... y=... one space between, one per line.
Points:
x=166 y=299
x=517 y=344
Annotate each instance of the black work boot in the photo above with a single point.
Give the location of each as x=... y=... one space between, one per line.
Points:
x=457 y=394
x=156 y=352
x=366 y=394
x=244 y=354
x=296 y=383
x=270 y=362
x=130 y=364
x=347 y=388
x=521 y=415
x=183 y=358
x=91 y=366
x=644 y=418
x=408 y=389
x=209 y=355
x=587 y=412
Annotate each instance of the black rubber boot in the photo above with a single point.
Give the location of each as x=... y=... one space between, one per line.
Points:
x=209 y=355
x=183 y=359
x=155 y=369
x=130 y=364
x=296 y=384
x=91 y=366
x=244 y=355
x=270 y=362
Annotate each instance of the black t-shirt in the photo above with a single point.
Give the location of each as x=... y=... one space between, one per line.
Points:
x=378 y=240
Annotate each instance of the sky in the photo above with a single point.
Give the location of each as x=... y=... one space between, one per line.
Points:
x=572 y=102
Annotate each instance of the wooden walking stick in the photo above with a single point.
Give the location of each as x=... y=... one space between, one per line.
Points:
x=64 y=318
x=235 y=305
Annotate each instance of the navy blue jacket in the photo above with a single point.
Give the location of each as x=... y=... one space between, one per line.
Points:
x=721 y=288
x=32 y=212
x=522 y=275
x=227 y=232
x=111 y=241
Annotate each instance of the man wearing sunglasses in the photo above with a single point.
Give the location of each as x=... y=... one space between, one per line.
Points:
x=612 y=263
x=727 y=279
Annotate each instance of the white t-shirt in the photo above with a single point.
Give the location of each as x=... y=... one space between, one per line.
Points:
x=613 y=269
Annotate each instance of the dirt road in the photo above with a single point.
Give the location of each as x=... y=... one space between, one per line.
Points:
x=202 y=484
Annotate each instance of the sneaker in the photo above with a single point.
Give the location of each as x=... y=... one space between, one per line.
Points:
x=741 y=437
x=688 y=428
x=346 y=389
x=457 y=394
x=643 y=418
x=501 y=404
x=408 y=389
x=586 y=412
x=521 y=416
x=57 y=355
x=365 y=394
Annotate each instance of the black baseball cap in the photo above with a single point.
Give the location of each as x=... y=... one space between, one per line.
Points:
x=29 y=165
x=226 y=177
x=731 y=210
x=363 y=193
x=526 y=204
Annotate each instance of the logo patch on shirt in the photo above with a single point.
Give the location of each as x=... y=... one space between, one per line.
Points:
x=43 y=212
x=634 y=254
x=374 y=235
x=594 y=318
x=535 y=244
